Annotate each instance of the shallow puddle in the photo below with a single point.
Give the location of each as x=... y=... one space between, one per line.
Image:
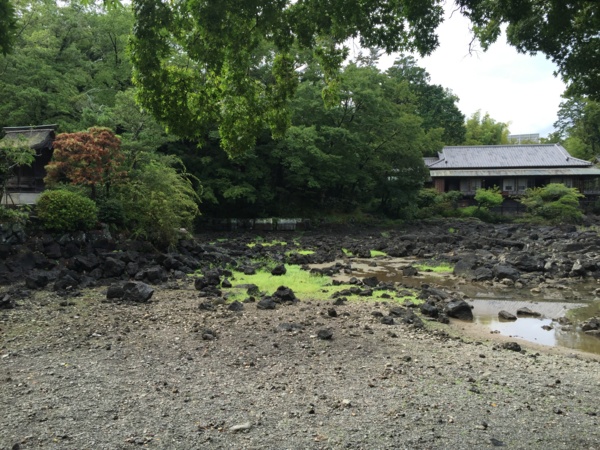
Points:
x=488 y=302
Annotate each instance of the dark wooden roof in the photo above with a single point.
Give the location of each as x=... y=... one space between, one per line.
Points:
x=35 y=137
x=504 y=156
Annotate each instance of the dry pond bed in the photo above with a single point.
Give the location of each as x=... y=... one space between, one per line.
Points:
x=83 y=373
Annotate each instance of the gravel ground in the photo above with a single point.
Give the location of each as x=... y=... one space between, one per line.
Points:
x=86 y=374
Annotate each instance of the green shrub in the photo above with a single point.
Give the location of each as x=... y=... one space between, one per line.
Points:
x=66 y=211
x=489 y=198
x=555 y=202
x=111 y=212
x=158 y=200
x=12 y=215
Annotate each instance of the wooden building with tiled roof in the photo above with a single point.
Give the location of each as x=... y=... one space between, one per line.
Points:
x=513 y=168
x=27 y=182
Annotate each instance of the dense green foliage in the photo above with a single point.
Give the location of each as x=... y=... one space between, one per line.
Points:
x=554 y=202
x=578 y=127
x=13 y=215
x=488 y=198
x=156 y=201
x=485 y=130
x=235 y=64
x=66 y=62
x=365 y=152
x=62 y=210
x=436 y=105
x=8 y=25
x=12 y=155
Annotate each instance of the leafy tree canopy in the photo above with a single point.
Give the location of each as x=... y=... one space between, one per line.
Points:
x=67 y=62
x=197 y=62
x=578 y=127
x=566 y=31
x=87 y=158
x=485 y=130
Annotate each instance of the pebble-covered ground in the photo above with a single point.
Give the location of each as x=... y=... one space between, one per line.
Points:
x=83 y=373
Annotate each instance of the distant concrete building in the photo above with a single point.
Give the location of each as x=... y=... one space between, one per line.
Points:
x=533 y=138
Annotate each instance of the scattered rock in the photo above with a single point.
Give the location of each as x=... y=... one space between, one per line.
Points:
x=136 y=291
x=241 y=427
x=513 y=346
x=266 y=303
x=505 y=315
x=459 y=309
x=526 y=312
x=279 y=270
x=325 y=334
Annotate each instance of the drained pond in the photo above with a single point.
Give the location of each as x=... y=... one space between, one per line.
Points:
x=561 y=308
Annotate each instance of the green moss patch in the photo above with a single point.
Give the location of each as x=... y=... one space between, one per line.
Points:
x=437 y=268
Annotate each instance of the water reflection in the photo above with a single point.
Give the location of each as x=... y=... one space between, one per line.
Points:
x=488 y=302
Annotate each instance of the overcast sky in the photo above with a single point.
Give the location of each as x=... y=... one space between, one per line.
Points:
x=512 y=87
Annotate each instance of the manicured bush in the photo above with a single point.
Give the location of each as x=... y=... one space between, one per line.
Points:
x=489 y=198
x=555 y=202
x=62 y=210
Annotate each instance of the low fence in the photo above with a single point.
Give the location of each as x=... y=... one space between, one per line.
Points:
x=270 y=224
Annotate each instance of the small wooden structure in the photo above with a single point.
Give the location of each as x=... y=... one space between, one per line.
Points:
x=25 y=186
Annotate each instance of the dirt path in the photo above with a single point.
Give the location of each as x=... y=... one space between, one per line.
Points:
x=83 y=374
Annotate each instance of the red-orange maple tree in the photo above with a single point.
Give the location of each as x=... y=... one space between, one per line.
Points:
x=90 y=158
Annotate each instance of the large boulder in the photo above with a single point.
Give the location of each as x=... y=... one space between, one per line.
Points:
x=459 y=309
x=136 y=291
x=465 y=268
x=502 y=271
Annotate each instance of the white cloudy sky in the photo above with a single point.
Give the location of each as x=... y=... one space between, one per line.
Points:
x=514 y=88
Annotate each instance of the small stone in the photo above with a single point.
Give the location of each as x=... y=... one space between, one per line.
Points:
x=241 y=427
x=331 y=312
x=505 y=315
x=512 y=346
x=325 y=334
x=279 y=270
x=387 y=320
x=266 y=303
x=236 y=306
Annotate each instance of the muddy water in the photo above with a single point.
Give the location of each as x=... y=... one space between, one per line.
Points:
x=488 y=301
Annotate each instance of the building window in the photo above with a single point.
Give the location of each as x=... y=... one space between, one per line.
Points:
x=568 y=182
x=508 y=185
x=470 y=185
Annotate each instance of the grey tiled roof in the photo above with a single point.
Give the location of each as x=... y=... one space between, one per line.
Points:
x=499 y=156
x=35 y=137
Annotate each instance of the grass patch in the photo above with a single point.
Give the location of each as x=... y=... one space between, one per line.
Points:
x=375 y=253
x=347 y=252
x=303 y=283
x=301 y=252
x=306 y=286
x=437 y=268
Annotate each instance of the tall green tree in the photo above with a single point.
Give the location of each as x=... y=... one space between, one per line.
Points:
x=483 y=130
x=578 y=127
x=8 y=25
x=436 y=105
x=196 y=61
x=66 y=62
x=366 y=151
